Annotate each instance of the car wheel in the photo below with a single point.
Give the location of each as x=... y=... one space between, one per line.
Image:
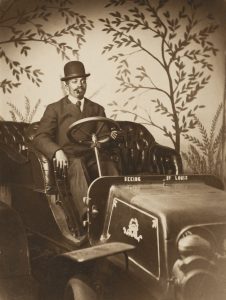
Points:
x=77 y=289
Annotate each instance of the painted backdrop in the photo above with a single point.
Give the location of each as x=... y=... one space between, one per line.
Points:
x=157 y=62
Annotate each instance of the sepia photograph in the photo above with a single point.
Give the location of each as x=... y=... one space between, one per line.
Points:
x=112 y=150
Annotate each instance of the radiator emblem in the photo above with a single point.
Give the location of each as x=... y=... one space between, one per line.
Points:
x=132 y=230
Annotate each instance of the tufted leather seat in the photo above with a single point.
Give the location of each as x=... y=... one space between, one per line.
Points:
x=12 y=140
x=141 y=154
x=134 y=147
x=12 y=149
x=135 y=152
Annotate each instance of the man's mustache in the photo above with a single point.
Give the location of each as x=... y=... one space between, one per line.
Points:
x=79 y=89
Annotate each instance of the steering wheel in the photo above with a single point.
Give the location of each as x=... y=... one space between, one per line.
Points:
x=92 y=132
x=83 y=131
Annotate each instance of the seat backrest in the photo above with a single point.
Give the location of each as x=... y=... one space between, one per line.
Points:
x=12 y=149
x=141 y=154
x=12 y=140
x=134 y=148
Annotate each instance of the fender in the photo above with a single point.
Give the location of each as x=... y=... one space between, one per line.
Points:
x=15 y=275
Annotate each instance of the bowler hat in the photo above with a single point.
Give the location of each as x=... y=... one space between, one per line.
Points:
x=74 y=69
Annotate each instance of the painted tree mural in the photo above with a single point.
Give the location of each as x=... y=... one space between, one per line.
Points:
x=184 y=59
x=24 y=28
x=29 y=111
x=205 y=152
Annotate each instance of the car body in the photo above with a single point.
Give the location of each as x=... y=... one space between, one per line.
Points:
x=177 y=226
x=153 y=232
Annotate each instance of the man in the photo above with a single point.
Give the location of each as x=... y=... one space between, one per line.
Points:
x=51 y=138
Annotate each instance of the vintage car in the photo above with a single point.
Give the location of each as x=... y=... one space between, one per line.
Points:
x=152 y=232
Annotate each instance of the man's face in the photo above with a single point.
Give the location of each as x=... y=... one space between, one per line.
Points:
x=76 y=87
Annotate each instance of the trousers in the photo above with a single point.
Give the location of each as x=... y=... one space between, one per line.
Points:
x=80 y=175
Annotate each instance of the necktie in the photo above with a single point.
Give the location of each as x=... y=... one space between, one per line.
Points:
x=78 y=105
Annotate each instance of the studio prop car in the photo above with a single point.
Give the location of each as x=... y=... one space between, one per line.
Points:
x=152 y=232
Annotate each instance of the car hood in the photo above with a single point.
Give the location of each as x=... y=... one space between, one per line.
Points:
x=175 y=205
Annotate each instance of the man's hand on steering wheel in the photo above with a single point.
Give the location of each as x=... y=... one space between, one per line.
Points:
x=114 y=134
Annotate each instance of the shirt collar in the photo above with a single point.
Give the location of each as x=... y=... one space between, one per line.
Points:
x=74 y=100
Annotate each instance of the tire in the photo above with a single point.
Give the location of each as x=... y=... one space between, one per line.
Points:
x=77 y=289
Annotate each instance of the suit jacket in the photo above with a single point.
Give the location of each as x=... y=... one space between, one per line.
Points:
x=58 y=116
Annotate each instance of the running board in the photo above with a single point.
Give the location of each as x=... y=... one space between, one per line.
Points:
x=98 y=251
